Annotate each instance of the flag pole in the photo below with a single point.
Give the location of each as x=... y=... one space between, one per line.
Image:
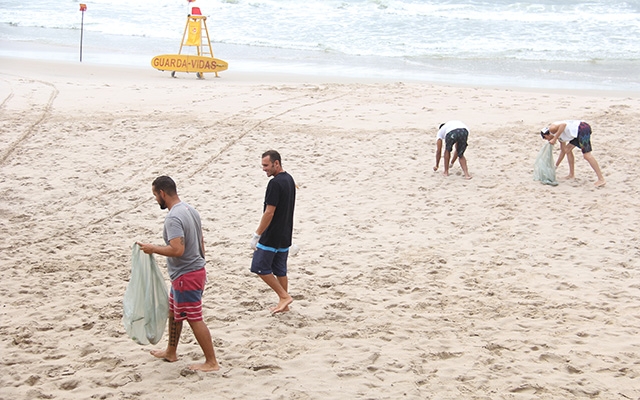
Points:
x=83 y=8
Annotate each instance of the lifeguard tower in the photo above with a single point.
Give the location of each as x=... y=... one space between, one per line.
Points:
x=196 y=35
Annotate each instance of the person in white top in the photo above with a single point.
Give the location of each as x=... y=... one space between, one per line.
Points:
x=452 y=132
x=572 y=134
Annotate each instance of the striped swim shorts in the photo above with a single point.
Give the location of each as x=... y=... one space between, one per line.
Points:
x=185 y=298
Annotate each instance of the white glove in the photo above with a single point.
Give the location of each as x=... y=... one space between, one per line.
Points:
x=254 y=241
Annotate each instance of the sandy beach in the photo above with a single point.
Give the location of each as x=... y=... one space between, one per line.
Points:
x=408 y=284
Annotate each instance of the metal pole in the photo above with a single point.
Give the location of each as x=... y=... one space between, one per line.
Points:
x=81 y=34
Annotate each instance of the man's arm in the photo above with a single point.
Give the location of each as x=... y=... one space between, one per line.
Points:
x=267 y=216
x=174 y=249
x=559 y=129
x=266 y=219
x=438 y=153
x=563 y=149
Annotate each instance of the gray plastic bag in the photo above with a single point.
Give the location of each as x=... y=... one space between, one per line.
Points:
x=544 y=170
x=146 y=300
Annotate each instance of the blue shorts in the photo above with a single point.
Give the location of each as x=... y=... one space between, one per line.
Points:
x=266 y=262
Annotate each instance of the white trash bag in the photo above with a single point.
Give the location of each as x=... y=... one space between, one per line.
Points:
x=146 y=300
x=544 y=170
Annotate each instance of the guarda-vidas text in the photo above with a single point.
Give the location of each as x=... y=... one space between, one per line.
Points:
x=179 y=63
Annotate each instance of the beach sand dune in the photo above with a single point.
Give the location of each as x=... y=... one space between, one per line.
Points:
x=407 y=285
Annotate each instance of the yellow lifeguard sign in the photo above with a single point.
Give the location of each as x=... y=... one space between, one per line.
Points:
x=194 y=37
x=195 y=33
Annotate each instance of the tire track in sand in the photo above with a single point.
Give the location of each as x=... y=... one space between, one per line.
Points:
x=170 y=154
x=254 y=127
x=33 y=127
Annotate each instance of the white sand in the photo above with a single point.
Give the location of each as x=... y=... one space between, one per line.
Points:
x=407 y=285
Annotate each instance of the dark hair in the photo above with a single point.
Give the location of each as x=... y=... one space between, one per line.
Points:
x=544 y=132
x=165 y=184
x=273 y=156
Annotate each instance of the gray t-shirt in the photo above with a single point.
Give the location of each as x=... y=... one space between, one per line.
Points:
x=184 y=221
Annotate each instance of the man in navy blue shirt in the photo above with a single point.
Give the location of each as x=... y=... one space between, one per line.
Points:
x=272 y=239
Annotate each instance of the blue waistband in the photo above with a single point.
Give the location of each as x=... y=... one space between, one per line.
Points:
x=272 y=249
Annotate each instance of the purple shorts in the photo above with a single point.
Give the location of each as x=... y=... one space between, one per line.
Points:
x=583 y=141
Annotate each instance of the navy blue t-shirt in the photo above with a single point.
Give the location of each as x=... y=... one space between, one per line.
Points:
x=281 y=193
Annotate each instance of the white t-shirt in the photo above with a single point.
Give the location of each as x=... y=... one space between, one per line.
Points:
x=450 y=126
x=570 y=131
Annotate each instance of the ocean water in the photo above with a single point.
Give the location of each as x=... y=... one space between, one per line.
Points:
x=543 y=43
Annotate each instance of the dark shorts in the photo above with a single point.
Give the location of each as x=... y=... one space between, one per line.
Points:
x=583 y=141
x=185 y=298
x=267 y=262
x=459 y=137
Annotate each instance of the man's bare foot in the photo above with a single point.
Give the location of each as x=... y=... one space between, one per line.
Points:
x=283 y=305
x=467 y=177
x=600 y=183
x=205 y=367
x=570 y=177
x=435 y=168
x=164 y=355
x=446 y=173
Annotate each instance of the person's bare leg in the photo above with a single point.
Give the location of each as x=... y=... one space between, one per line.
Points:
x=284 y=282
x=447 y=156
x=203 y=336
x=463 y=164
x=171 y=352
x=571 y=160
x=596 y=168
x=453 y=159
x=284 y=297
